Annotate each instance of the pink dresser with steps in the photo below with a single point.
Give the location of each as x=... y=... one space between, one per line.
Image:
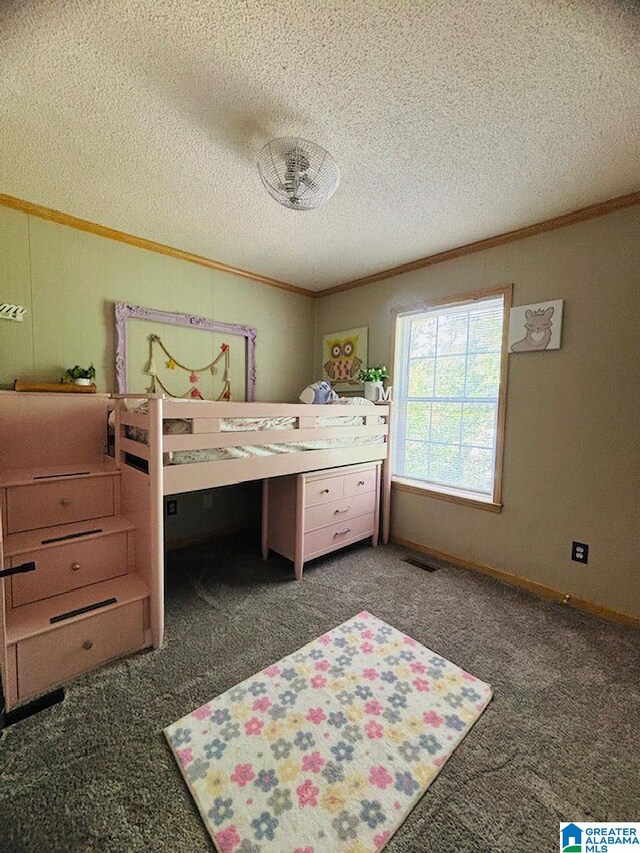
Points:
x=307 y=515
x=80 y=601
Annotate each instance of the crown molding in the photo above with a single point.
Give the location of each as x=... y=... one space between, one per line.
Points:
x=600 y=209
x=142 y=243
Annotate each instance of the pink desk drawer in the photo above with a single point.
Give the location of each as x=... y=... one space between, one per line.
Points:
x=360 y=482
x=68 y=567
x=340 y=510
x=49 y=659
x=330 y=538
x=48 y=504
x=321 y=491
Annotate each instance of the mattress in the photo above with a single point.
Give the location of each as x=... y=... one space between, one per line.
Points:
x=182 y=426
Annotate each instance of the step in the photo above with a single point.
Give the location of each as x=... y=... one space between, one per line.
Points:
x=51 y=537
x=32 y=619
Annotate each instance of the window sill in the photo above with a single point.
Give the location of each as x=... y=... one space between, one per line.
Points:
x=413 y=487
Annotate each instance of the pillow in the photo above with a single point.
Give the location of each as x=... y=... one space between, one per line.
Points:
x=318 y=394
x=354 y=401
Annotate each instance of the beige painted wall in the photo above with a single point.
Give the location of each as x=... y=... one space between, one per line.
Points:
x=68 y=280
x=572 y=446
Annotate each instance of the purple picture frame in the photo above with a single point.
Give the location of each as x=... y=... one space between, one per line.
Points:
x=125 y=311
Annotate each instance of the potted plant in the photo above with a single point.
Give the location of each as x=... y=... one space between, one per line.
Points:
x=373 y=378
x=81 y=375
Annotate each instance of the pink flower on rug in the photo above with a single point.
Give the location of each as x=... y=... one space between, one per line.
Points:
x=364 y=614
x=185 y=755
x=366 y=648
x=227 y=839
x=262 y=704
x=381 y=839
x=242 y=775
x=322 y=665
x=272 y=671
x=409 y=641
x=253 y=726
x=418 y=667
x=325 y=639
x=380 y=777
x=432 y=719
x=313 y=763
x=373 y=729
x=318 y=681
x=303 y=850
x=202 y=713
x=421 y=684
x=374 y=707
x=468 y=677
x=316 y=715
x=367 y=635
x=307 y=794
x=370 y=674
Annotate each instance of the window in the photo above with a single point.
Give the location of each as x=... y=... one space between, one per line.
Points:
x=448 y=397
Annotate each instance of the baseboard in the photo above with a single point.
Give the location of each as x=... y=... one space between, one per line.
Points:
x=204 y=538
x=523 y=583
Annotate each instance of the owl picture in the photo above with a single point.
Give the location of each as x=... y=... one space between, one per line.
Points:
x=344 y=355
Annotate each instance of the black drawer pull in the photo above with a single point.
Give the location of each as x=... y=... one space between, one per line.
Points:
x=341 y=532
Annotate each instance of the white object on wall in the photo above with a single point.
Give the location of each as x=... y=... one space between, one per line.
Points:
x=536 y=327
x=12 y=312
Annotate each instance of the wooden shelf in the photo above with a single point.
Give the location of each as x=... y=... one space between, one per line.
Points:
x=32 y=619
x=36 y=540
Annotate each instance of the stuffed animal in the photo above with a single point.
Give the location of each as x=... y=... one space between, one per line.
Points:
x=318 y=394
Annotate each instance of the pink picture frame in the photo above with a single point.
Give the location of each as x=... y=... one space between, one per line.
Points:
x=125 y=311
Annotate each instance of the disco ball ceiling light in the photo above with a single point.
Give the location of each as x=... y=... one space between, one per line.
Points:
x=297 y=173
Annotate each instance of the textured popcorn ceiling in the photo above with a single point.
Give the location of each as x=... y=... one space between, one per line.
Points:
x=450 y=121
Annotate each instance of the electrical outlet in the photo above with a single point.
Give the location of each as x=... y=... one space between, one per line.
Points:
x=172 y=507
x=580 y=552
x=207 y=500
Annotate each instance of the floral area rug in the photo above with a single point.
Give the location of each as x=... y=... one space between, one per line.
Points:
x=328 y=750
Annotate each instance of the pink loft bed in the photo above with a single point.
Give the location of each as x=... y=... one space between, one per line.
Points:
x=234 y=443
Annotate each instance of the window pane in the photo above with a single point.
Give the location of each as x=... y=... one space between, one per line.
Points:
x=483 y=375
x=448 y=369
x=446 y=422
x=445 y=464
x=450 y=376
x=477 y=469
x=452 y=334
x=418 y=419
x=421 y=373
x=479 y=424
x=423 y=337
x=416 y=460
x=485 y=332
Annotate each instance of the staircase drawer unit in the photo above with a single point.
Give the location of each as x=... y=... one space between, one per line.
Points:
x=44 y=504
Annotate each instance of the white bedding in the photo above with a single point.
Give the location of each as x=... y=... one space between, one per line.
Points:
x=182 y=426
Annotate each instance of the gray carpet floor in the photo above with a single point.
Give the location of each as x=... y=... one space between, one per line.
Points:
x=558 y=742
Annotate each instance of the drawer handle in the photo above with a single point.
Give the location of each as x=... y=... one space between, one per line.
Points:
x=75 y=567
x=87 y=645
x=324 y=492
x=65 y=502
x=361 y=482
x=342 y=532
x=338 y=511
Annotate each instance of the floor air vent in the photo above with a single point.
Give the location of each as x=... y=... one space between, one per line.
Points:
x=419 y=564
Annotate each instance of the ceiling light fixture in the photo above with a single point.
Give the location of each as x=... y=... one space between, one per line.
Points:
x=297 y=173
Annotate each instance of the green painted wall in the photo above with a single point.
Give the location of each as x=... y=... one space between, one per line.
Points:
x=68 y=281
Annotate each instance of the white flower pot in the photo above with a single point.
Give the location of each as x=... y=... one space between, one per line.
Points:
x=82 y=381
x=373 y=391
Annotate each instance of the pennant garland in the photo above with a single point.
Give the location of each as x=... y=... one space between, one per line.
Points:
x=172 y=363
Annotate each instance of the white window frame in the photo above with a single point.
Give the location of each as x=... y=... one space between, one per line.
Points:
x=492 y=502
